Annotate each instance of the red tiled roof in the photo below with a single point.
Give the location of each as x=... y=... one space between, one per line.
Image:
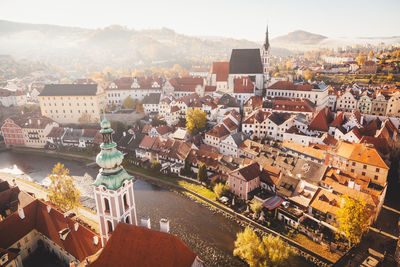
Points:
x=243 y=86
x=138 y=246
x=250 y=172
x=285 y=85
x=229 y=124
x=57 y=132
x=254 y=101
x=210 y=88
x=164 y=129
x=89 y=133
x=125 y=83
x=31 y=121
x=300 y=105
x=209 y=158
x=78 y=243
x=147 y=142
x=186 y=84
x=174 y=109
x=221 y=69
x=218 y=131
x=321 y=121
x=146 y=129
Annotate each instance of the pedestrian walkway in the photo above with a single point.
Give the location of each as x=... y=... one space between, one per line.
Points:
x=383 y=233
x=391 y=209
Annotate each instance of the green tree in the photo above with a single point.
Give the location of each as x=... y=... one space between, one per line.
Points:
x=62 y=191
x=256 y=206
x=119 y=127
x=155 y=166
x=268 y=251
x=221 y=189
x=202 y=173
x=156 y=121
x=186 y=170
x=352 y=217
x=196 y=121
x=129 y=102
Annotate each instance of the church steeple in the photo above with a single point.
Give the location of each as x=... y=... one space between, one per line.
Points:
x=113 y=187
x=266 y=42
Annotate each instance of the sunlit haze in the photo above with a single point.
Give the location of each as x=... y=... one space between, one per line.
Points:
x=238 y=19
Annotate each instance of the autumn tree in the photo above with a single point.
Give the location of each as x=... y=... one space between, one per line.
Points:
x=129 y=102
x=268 y=251
x=352 y=217
x=196 y=121
x=139 y=107
x=202 y=173
x=221 y=189
x=85 y=119
x=289 y=65
x=155 y=166
x=361 y=58
x=256 y=206
x=156 y=121
x=308 y=75
x=62 y=191
x=371 y=55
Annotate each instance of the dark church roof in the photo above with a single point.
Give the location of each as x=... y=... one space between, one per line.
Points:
x=245 y=61
x=69 y=90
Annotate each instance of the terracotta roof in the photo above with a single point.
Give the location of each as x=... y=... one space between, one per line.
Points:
x=31 y=121
x=146 y=129
x=230 y=124
x=78 y=243
x=285 y=85
x=360 y=153
x=147 y=142
x=89 y=133
x=125 y=83
x=218 y=131
x=254 y=101
x=309 y=151
x=207 y=157
x=325 y=201
x=186 y=84
x=56 y=132
x=174 y=109
x=293 y=104
x=250 y=171
x=210 y=88
x=133 y=245
x=221 y=69
x=279 y=117
x=243 y=85
x=164 y=129
x=322 y=120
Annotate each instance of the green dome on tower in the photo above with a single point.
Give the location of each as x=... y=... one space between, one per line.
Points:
x=112 y=175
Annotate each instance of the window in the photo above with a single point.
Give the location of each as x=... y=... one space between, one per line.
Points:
x=125 y=201
x=376 y=177
x=127 y=220
x=106 y=206
x=110 y=227
x=363 y=173
x=352 y=170
x=354 y=164
x=364 y=167
x=377 y=169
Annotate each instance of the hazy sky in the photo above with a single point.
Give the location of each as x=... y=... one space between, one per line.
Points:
x=239 y=19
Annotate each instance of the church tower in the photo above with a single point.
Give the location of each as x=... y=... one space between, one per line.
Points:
x=113 y=187
x=266 y=57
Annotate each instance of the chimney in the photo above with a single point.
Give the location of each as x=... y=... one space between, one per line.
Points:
x=124 y=134
x=30 y=121
x=76 y=226
x=63 y=233
x=48 y=209
x=95 y=240
x=21 y=213
x=145 y=222
x=38 y=122
x=164 y=225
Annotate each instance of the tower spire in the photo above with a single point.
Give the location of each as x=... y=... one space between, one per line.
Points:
x=266 y=43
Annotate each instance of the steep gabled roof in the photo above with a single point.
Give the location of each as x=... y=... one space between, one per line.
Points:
x=322 y=120
x=245 y=61
x=221 y=69
x=250 y=171
x=278 y=118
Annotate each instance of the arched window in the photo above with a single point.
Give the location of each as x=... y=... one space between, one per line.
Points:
x=110 y=227
x=127 y=220
x=125 y=201
x=106 y=205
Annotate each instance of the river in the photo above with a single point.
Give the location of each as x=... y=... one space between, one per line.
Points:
x=209 y=234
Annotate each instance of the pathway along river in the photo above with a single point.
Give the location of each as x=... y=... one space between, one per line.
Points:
x=209 y=234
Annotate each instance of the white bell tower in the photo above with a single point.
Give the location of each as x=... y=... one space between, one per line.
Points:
x=266 y=57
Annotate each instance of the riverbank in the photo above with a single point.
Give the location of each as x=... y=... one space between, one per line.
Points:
x=206 y=197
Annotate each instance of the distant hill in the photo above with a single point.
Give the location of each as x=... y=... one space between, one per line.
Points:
x=298 y=38
x=114 y=46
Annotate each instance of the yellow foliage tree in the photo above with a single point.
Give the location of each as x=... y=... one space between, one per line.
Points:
x=353 y=217
x=361 y=58
x=63 y=192
x=85 y=119
x=256 y=206
x=196 y=121
x=308 y=75
x=289 y=65
x=221 y=189
x=268 y=251
x=129 y=102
